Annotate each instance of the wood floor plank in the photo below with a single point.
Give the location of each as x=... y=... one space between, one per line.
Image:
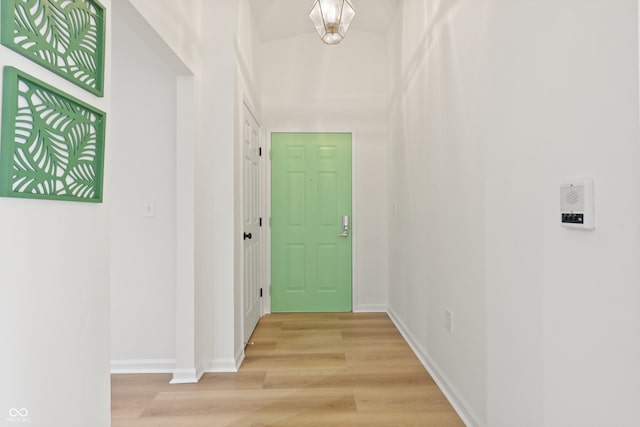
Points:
x=274 y=401
x=245 y=380
x=344 y=379
x=316 y=369
x=415 y=398
x=287 y=361
x=343 y=324
x=381 y=334
x=282 y=336
x=388 y=419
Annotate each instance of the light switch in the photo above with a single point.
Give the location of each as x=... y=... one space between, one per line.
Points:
x=149 y=208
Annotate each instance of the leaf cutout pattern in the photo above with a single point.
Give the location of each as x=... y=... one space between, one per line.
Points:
x=65 y=36
x=52 y=144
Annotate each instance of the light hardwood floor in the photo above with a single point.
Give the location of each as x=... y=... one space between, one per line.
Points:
x=337 y=369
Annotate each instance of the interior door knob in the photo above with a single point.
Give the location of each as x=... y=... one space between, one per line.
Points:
x=247 y=236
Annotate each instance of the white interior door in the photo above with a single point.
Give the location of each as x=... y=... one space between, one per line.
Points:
x=251 y=221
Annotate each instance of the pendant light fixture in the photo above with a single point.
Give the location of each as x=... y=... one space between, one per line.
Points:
x=332 y=19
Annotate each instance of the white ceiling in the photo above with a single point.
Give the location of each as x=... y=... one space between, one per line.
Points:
x=278 y=19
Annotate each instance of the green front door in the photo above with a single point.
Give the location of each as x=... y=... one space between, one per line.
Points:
x=310 y=198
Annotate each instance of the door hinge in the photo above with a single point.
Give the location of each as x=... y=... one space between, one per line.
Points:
x=260 y=292
x=260 y=221
x=269 y=222
x=260 y=151
x=270 y=154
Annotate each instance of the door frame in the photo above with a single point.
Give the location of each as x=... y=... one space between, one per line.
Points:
x=266 y=245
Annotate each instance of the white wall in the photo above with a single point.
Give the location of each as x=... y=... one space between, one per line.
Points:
x=211 y=52
x=54 y=293
x=494 y=104
x=173 y=35
x=143 y=250
x=311 y=87
x=436 y=186
x=247 y=91
x=248 y=51
x=215 y=190
x=177 y=23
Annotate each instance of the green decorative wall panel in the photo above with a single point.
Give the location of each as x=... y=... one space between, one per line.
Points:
x=65 y=36
x=52 y=144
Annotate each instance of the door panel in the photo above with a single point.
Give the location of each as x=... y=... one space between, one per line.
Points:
x=311 y=191
x=251 y=223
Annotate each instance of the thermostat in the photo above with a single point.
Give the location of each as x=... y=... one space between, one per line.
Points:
x=576 y=204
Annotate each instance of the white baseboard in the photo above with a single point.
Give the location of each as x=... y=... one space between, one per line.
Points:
x=218 y=365
x=239 y=358
x=370 y=308
x=143 y=366
x=459 y=404
x=221 y=365
x=185 y=376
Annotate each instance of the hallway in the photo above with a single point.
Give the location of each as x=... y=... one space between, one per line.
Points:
x=301 y=369
x=468 y=118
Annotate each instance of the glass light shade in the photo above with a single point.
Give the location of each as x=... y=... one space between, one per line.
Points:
x=332 y=19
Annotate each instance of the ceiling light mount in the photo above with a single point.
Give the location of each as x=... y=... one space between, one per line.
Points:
x=332 y=19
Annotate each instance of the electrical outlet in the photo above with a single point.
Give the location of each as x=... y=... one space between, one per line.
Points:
x=448 y=320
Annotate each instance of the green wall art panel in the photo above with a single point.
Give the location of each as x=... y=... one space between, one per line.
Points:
x=65 y=36
x=52 y=144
